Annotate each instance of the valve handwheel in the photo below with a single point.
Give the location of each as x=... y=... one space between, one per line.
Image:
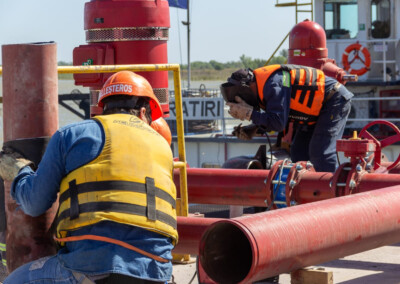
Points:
x=382 y=143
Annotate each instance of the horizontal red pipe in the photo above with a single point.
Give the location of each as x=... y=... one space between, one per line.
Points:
x=376 y=181
x=314 y=186
x=251 y=248
x=247 y=187
x=225 y=186
x=190 y=230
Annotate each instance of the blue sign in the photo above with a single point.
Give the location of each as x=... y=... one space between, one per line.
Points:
x=178 y=3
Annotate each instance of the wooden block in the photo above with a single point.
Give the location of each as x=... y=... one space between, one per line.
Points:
x=311 y=276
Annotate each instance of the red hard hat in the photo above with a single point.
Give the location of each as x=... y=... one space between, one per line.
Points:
x=130 y=84
x=161 y=126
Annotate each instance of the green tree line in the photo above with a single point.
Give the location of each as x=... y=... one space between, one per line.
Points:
x=243 y=62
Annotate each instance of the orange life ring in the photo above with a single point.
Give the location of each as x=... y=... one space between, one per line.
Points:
x=356 y=48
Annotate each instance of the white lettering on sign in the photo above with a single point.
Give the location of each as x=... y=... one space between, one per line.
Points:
x=198 y=108
x=118 y=88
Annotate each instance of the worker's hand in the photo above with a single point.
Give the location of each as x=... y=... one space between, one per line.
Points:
x=240 y=110
x=11 y=163
x=245 y=132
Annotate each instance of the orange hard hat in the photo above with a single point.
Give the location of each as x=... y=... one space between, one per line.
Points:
x=130 y=84
x=161 y=126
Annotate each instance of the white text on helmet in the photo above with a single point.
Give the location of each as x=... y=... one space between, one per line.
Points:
x=118 y=88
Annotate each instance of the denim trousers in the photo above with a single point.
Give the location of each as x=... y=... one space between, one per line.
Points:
x=42 y=271
x=317 y=143
x=48 y=270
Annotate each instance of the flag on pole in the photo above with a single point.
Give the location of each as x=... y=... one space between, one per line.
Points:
x=178 y=3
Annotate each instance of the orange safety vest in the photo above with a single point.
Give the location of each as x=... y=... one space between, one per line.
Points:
x=308 y=90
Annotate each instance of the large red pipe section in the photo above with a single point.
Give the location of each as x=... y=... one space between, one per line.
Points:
x=30 y=109
x=247 y=249
x=248 y=187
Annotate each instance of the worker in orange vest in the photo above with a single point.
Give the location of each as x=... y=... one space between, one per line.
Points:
x=274 y=95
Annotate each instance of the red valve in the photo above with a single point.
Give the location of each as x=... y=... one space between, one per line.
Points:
x=382 y=143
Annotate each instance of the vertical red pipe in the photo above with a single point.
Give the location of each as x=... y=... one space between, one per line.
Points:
x=30 y=109
x=247 y=249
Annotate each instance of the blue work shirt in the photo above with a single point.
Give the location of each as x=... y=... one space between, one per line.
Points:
x=70 y=148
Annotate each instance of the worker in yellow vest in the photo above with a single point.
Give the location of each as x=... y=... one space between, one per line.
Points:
x=116 y=221
x=274 y=95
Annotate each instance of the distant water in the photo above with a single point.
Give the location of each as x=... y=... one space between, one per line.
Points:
x=68 y=86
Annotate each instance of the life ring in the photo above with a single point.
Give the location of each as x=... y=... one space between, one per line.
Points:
x=356 y=48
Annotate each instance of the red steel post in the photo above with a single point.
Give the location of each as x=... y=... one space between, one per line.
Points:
x=30 y=109
x=250 y=248
x=190 y=230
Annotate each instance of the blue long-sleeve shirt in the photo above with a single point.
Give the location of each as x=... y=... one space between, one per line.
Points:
x=70 y=148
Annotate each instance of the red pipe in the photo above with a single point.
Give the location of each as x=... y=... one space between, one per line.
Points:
x=247 y=187
x=190 y=230
x=251 y=248
x=314 y=186
x=225 y=186
x=30 y=110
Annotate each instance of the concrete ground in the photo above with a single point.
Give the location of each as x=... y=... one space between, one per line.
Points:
x=378 y=266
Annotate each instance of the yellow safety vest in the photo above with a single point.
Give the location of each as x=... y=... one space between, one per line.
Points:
x=130 y=182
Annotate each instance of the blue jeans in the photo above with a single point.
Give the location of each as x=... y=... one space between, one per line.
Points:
x=318 y=143
x=42 y=271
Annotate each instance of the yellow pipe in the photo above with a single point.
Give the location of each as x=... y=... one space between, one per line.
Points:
x=179 y=165
x=113 y=68
x=116 y=68
x=181 y=143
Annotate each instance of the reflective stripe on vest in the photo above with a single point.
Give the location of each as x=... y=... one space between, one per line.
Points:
x=130 y=182
x=307 y=90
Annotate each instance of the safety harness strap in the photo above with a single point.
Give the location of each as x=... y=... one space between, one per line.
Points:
x=151 y=199
x=114 y=185
x=112 y=241
x=120 y=207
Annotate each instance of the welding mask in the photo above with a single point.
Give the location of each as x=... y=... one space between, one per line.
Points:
x=238 y=85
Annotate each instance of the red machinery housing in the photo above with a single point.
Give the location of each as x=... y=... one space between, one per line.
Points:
x=307 y=46
x=125 y=32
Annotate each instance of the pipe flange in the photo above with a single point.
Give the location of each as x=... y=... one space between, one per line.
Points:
x=354 y=178
x=339 y=179
x=275 y=179
x=294 y=177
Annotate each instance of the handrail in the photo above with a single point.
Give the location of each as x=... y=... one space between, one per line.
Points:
x=183 y=203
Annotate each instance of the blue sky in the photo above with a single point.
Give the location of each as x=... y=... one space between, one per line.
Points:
x=221 y=30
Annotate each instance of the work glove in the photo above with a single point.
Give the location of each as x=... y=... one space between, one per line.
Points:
x=245 y=132
x=240 y=110
x=11 y=163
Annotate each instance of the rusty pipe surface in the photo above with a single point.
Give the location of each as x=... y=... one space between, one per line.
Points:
x=250 y=248
x=30 y=110
x=226 y=186
x=190 y=230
